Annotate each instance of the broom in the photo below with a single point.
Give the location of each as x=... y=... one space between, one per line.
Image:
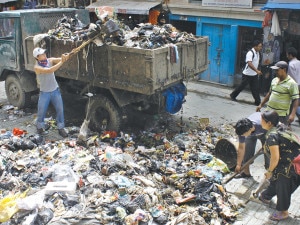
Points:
x=260 y=152
x=262 y=185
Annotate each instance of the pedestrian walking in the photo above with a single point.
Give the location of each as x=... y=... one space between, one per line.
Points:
x=294 y=65
x=283 y=92
x=49 y=90
x=283 y=179
x=250 y=74
x=248 y=130
x=294 y=72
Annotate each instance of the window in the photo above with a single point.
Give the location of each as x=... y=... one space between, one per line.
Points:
x=7 y=28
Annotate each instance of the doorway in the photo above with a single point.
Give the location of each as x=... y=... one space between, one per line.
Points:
x=219 y=54
x=246 y=37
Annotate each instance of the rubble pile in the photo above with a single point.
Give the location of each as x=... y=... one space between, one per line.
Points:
x=145 y=36
x=131 y=179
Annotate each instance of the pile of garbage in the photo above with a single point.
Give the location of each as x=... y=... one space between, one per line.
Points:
x=114 y=178
x=114 y=32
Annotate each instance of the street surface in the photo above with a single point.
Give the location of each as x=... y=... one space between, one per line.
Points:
x=212 y=101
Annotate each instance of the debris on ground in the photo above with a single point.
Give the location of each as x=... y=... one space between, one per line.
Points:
x=114 y=178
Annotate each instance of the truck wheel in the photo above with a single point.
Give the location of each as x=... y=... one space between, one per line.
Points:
x=15 y=93
x=103 y=114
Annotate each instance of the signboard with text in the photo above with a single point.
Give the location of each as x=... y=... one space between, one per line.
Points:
x=228 y=3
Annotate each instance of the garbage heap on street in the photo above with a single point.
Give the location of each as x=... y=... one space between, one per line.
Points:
x=159 y=177
x=153 y=177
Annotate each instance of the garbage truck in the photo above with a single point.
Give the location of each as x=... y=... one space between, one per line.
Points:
x=117 y=77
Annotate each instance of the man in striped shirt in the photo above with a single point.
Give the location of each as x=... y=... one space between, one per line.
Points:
x=283 y=92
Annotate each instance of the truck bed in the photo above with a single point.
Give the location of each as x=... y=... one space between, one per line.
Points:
x=136 y=70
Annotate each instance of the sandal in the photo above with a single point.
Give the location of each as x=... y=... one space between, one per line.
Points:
x=277 y=216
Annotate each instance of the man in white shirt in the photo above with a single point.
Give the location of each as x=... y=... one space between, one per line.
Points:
x=250 y=74
x=294 y=71
x=294 y=65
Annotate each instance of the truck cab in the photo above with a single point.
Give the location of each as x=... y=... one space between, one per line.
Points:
x=11 y=59
x=17 y=29
x=9 y=40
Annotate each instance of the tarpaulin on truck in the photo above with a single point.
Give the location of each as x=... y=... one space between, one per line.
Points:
x=125 y=7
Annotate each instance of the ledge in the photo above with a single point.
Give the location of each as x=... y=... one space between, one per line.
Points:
x=195 y=9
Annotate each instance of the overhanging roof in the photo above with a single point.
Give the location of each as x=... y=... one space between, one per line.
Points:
x=272 y=5
x=125 y=7
x=4 y=1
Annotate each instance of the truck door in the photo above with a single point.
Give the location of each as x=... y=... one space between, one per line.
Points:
x=8 y=57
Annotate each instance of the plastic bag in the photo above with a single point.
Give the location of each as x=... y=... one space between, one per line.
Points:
x=121 y=181
x=296 y=163
x=174 y=98
x=8 y=206
x=18 y=132
x=84 y=130
x=211 y=174
x=32 y=202
x=202 y=190
x=63 y=173
x=218 y=164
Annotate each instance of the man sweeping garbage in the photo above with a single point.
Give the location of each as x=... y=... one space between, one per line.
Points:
x=249 y=130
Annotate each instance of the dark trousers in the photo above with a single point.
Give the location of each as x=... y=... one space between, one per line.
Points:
x=250 y=144
x=284 y=120
x=283 y=187
x=254 y=87
x=291 y=107
x=265 y=79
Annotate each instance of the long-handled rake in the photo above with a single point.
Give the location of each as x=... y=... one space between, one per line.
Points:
x=259 y=152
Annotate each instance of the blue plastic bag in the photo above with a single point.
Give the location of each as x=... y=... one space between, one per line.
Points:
x=174 y=97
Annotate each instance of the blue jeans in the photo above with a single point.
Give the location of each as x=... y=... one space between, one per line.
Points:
x=44 y=100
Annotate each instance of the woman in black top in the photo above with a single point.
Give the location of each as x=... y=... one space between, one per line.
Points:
x=283 y=179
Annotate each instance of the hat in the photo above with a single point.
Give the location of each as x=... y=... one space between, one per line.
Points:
x=38 y=51
x=280 y=65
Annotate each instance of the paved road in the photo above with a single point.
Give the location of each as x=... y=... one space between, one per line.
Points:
x=2 y=93
x=212 y=101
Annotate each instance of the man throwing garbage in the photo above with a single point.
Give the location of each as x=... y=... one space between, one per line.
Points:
x=49 y=90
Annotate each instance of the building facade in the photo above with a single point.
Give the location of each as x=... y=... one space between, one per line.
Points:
x=231 y=26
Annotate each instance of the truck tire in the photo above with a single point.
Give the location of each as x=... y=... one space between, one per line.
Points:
x=103 y=114
x=15 y=93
